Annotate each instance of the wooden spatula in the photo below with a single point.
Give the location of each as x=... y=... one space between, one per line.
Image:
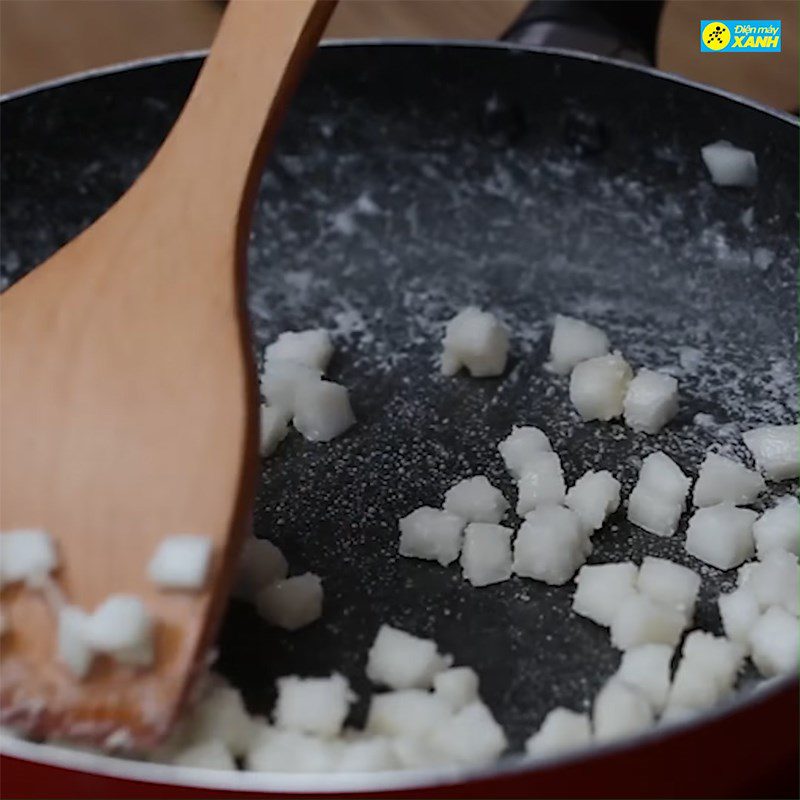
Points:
x=127 y=391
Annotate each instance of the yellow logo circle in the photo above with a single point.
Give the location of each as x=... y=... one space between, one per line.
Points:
x=716 y=36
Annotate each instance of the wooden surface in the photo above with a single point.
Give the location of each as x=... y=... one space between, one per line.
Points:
x=127 y=390
x=42 y=39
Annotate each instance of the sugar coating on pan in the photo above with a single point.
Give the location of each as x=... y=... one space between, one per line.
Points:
x=476 y=341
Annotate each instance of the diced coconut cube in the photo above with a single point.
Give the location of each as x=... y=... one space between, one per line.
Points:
x=476 y=340
x=486 y=554
x=594 y=496
x=597 y=387
x=647 y=669
x=541 y=484
x=26 y=554
x=724 y=481
x=476 y=500
x=739 y=612
x=402 y=661
x=561 y=730
x=521 y=447
x=120 y=626
x=322 y=411
x=313 y=705
x=208 y=754
x=778 y=528
x=651 y=401
x=729 y=165
x=311 y=347
x=669 y=583
x=370 y=754
x=662 y=476
x=620 y=710
x=272 y=750
x=720 y=657
x=471 y=736
x=693 y=688
x=260 y=564
x=574 y=341
x=721 y=535
x=775 y=643
x=72 y=649
x=406 y=712
x=432 y=534
x=283 y=382
x=221 y=714
x=551 y=545
x=653 y=512
x=457 y=686
x=642 y=620
x=776 y=449
x=774 y=581
x=181 y=561
x=292 y=603
x=273 y=427
x=602 y=590
x=414 y=752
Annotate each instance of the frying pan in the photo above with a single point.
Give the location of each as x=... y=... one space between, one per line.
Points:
x=409 y=181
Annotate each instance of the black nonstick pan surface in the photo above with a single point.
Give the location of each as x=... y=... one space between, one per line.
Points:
x=409 y=181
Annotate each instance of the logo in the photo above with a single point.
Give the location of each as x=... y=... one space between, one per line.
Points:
x=740 y=36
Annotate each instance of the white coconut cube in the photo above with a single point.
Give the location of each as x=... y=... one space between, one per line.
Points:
x=291 y=603
x=273 y=750
x=721 y=535
x=597 y=387
x=486 y=553
x=283 y=382
x=739 y=612
x=620 y=710
x=470 y=737
x=457 y=686
x=722 y=480
x=476 y=500
x=778 y=528
x=602 y=589
x=120 y=626
x=646 y=668
x=642 y=620
x=322 y=411
x=26 y=554
x=594 y=497
x=720 y=657
x=541 y=484
x=181 y=561
x=574 y=341
x=221 y=714
x=669 y=583
x=402 y=661
x=550 y=546
x=521 y=447
x=312 y=705
x=694 y=688
x=431 y=534
x=273 y=427
x=476 y=340
x=775 y=643
x=776 y=450
x=561 y=731
x=662 y=476
x=406 y=712
x=729 y=165
x=72 y=648
x=260 y=564
x=312 y=348
x=651 y=401
x=370 y=754
x=774 y=581
x=653 y=512
x=208 y=754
